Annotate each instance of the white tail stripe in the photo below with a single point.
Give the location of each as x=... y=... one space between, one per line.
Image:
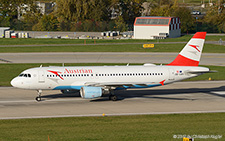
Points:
x=193 y=49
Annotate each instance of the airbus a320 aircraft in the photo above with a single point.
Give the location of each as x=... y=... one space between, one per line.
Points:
x=95 y=81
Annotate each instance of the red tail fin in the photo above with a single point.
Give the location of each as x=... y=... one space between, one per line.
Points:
x=191 y=53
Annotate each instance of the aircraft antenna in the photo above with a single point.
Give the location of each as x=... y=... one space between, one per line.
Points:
x=128 y=64
x=41 y=66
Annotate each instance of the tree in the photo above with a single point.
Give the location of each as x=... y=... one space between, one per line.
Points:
x=214 y=21
x=120 y=24
x=47 y=23
x=128 y=10
x=170 y=9
x=187 y=21
x=32 y=16
x=79 y=10
x=9 y=10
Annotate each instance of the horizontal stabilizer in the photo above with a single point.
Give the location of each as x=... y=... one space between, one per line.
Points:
x=199 y=70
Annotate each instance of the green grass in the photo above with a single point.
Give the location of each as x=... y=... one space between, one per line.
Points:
x=31 y=41
x=9 y=71
x=208 y=48
x=144 y=127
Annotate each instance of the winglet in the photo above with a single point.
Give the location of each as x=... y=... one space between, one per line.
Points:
x=191 y=53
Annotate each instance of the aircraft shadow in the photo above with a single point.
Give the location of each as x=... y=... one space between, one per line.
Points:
x=142 y=93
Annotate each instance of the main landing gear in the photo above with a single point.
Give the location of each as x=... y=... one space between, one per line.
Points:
x=112 y=96
x=38 y=98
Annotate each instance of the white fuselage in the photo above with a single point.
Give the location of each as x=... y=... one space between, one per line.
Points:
x=66 y=78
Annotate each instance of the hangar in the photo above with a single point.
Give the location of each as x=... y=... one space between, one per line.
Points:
x=156 y=27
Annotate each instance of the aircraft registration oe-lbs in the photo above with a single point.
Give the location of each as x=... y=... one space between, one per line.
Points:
x=96 y=81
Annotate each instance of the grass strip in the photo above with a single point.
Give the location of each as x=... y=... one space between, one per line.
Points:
x=208 y=48
x=33 y=41
x=9 y=71
x=143 y=127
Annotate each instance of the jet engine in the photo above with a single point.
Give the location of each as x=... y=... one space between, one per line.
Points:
x=90 y=92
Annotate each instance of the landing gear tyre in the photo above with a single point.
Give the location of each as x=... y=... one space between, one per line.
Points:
x=38 y=99
x=113 y=98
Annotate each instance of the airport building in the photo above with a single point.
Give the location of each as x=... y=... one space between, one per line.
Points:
x=156 y=27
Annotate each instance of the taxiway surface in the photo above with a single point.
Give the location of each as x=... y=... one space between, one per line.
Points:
x=105 y=57
x=180 y=97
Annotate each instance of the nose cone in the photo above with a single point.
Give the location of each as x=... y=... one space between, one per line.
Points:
x=15 y=82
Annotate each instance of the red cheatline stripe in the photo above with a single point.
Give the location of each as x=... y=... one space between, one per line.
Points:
x=200 y=35
x=183 y=61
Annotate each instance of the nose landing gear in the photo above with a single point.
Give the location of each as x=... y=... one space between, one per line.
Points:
x=38 y=98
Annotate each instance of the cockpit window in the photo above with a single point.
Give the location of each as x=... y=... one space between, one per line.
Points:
x=25 y=75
